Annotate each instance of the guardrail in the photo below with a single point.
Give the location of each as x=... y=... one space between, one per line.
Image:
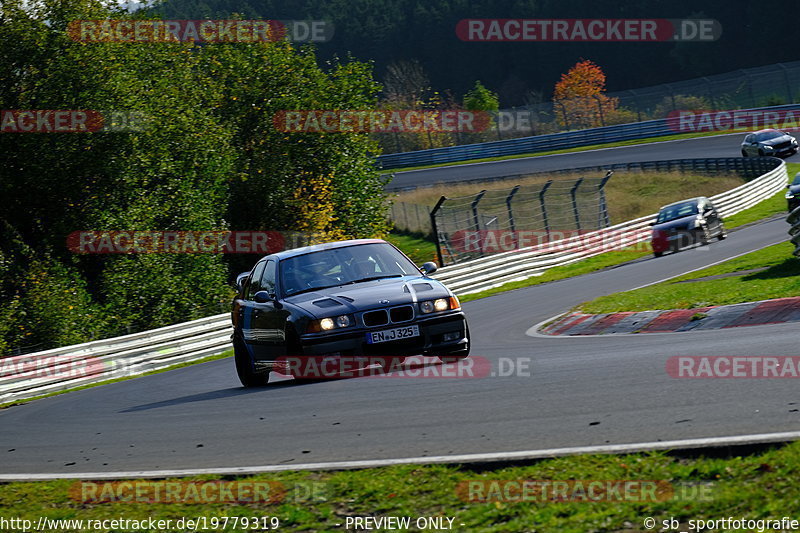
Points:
x=541 y=143
x=498 y=269
x=794 y=231
x=36 y=374
x=40 y=373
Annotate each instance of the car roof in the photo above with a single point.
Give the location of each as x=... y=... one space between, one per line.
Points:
x=695 y=199
x=324 y=246
x=767 y=130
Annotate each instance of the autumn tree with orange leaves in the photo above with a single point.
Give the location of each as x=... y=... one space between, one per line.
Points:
x=579 y=97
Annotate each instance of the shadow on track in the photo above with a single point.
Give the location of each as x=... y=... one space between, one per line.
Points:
x=272 y=386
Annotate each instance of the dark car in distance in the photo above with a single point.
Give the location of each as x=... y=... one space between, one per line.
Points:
x=793 y=194
x=684 y=223
x=349 y=299
x=769 y=142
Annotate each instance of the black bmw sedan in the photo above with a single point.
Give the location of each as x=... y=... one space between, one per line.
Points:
x=358 y=299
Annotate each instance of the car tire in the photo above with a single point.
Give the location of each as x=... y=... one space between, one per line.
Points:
x=722 y=233
x=761 y=152
x=244 y=366
x=703 y=236
x=744 y=153
x=658 y=254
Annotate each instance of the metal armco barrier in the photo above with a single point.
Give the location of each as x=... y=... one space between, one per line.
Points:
x=498 y=269
x=68 y=367
x=59 y=369
x=541 y=143
x=794 y=231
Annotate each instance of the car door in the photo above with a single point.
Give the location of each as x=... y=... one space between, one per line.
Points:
x=244 y=305
x=750 y=145
x=268 y=319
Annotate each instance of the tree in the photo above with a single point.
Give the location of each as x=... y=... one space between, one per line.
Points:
x=208 y=158
x=479 y=98
x=579 y=97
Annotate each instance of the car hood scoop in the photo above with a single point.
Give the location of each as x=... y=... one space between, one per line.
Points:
x=326 y=303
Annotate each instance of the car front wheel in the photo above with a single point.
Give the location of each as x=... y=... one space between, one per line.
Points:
x=244 y=366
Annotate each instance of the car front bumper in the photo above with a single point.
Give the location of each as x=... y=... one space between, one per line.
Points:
x=431 y=339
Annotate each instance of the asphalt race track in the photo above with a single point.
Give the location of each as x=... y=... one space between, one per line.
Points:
x=576 y=392
x=714 y=146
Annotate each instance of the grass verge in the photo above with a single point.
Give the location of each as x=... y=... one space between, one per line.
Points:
x=629 y=194
x=417 y=249
x=768 y=273
x=756 y=486
x=775 y=205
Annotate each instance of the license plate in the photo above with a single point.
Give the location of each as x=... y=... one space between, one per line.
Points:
x=395 y=334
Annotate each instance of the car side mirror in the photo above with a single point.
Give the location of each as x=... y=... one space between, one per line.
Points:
x=262 y=297
x=429 y=268
x=240 y=279
x=651 y=223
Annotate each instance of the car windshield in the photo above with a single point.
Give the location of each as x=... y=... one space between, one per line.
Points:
x=671 y=212
x=342 y=266
x=796 y=180
x=767 y=135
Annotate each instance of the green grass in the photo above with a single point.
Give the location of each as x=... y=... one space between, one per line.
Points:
x=417 y=249
x=647 y=140
x=757 y=486
x=776 y=205
x=778 y=279
x=629 y=194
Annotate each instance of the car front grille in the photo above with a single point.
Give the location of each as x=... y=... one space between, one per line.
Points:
x=381 y=317
x=782 y=145
x=401 y=314
x=376 y=318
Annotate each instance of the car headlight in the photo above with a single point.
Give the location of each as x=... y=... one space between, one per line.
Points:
x=768 y=147
x=789 y=195
x=439 y=305
x=327 y=324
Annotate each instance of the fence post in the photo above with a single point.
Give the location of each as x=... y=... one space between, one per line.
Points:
x=436 y=236
x=476 y=220
x=544 y=207
x=572 y=193
x=604 y=222
x=509 y=198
